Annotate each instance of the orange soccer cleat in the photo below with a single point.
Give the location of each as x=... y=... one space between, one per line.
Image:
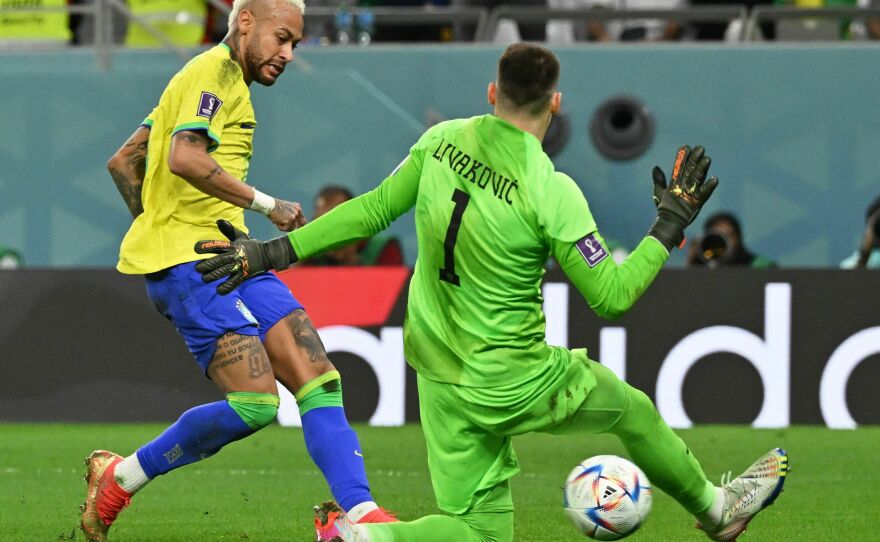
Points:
x=104 y=497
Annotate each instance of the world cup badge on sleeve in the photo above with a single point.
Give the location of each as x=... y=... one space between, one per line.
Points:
x=592 y=250
x=209 y=104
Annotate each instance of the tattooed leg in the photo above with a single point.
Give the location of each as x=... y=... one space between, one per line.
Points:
x=240 y=364
x=241 y=369
x=296 y=351
x=300 y=363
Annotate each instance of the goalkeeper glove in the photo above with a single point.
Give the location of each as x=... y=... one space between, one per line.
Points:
x=679 y=203
x=241 y=257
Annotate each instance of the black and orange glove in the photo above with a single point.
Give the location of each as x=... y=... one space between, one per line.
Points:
x=241 y=257
x=679 y=202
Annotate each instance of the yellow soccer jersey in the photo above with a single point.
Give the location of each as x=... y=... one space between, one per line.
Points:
x=208 y=94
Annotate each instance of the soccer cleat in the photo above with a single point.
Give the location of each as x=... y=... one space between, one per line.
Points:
x=331 y=522
x=749 y=493
x=104 y=498
x=350 y=532
x=325 y=522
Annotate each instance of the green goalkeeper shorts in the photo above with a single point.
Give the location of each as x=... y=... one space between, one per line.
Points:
x=468 y=430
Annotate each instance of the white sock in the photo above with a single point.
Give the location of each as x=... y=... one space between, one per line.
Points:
x=712 y=517
x=130 y=475
x=361 y=510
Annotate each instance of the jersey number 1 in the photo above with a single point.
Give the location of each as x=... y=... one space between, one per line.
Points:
x=447 y=272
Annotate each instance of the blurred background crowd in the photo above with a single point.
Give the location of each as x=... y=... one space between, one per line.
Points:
x=193 y=22
x=36 y=25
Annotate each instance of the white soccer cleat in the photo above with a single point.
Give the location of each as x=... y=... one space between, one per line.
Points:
x=749 y=493
x=350 y=532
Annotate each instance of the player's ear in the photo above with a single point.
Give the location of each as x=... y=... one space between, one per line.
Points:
x=556 y=102
x=492 y=93
x=245 y=21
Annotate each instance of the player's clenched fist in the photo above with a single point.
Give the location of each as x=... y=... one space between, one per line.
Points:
x=241 y=257
x=287 y=215
x=679 y=202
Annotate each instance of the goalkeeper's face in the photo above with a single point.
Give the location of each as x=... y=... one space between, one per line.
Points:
x=276 y=31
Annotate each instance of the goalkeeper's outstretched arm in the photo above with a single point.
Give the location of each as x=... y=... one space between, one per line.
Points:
x=364 y=216
x=611 y=289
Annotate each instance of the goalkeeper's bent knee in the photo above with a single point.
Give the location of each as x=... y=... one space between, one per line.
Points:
x=638 y=418
x=256 y=409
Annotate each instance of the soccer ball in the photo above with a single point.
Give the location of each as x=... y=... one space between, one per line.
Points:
x=607 y=497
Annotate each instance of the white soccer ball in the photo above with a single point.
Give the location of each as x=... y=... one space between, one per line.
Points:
x=607 y=497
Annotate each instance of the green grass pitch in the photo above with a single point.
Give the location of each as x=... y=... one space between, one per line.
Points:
x=262 y=488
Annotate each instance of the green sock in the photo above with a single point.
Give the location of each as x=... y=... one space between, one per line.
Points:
x=664 y=457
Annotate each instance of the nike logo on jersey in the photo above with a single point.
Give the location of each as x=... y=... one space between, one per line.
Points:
x=478 y=173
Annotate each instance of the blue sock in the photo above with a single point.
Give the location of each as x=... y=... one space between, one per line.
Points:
x=199 y=433
x=335 y=449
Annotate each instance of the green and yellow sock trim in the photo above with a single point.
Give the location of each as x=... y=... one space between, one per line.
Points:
x=255 y=409
x=316 y=382
x=324 y=391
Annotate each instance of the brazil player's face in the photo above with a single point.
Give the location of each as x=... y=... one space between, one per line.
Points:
x=270 y=45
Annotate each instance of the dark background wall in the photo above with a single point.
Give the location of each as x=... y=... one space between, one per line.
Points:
x=86 y=345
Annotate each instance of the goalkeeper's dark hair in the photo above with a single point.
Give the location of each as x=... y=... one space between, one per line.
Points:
x=527 y=77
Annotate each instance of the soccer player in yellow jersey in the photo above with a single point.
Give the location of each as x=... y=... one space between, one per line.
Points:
x=179 y=171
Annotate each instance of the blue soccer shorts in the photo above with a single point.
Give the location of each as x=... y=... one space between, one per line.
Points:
x=202 y=316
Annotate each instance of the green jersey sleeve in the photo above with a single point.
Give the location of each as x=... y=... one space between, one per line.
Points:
x=609 y=288
x=365 y=215
x=575 y=243
x=563 y=212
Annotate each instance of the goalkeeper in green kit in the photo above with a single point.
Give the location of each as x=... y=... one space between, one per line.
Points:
x=489 y=210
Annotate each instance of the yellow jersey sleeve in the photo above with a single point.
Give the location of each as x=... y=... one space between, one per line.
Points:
x=205 y=96
x=148 y=121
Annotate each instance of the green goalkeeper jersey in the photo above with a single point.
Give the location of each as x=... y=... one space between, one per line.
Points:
x=489 y=210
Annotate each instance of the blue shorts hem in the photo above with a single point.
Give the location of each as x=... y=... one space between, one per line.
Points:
x=202 y=316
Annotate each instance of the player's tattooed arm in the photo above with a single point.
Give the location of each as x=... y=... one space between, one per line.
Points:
x=128 y=168
x=306 y=337
x=189 y=159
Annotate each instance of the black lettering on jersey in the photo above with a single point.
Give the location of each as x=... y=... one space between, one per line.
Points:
x=471 y=169
x=453 y=157
x=435 y=155
x=503 y=186
x=475 y=165
x=440 y=156
x=513 y=184
x=461 y=164
x=496 y=183
x=485 y=177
